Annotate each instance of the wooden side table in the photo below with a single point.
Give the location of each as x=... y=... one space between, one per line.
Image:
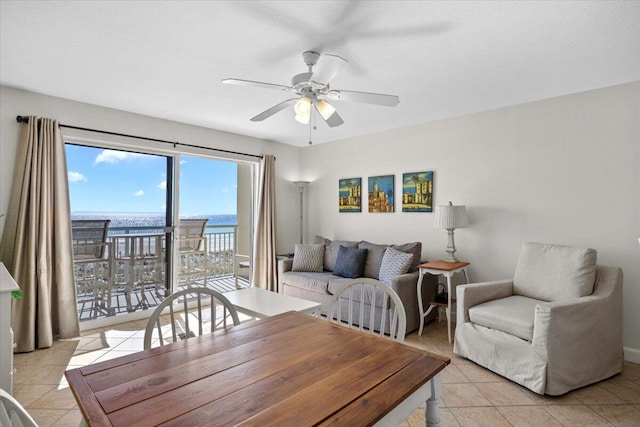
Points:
x=447 y=269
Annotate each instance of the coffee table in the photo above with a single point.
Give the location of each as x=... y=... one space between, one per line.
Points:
x=259 y=303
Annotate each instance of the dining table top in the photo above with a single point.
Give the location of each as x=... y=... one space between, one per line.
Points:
x=287 y=370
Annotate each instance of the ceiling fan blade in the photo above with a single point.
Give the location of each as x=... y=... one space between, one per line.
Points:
x=271 y=111
x=239 y=82
x=326 y=69
x=334 y=120
x=364 y=97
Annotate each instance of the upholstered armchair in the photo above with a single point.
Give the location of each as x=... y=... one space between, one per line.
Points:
x=556 y=326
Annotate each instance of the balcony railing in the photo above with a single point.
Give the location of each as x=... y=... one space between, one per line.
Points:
x=131 y=276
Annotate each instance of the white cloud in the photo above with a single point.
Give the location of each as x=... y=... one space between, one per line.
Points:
x=75 y=176
x=139 y=193
x=182 y=162
x=113 y=156
x=162 y=185
x=225 y=190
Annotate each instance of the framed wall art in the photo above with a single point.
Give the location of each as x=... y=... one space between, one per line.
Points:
x=381 y=193
x=417 y=192
x=350 y=195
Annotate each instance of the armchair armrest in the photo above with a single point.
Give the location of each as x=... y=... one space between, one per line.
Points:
x=477 y=293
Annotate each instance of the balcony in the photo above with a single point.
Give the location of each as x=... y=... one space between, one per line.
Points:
x=129 y=274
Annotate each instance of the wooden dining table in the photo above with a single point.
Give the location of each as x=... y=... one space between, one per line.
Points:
x=287 y=370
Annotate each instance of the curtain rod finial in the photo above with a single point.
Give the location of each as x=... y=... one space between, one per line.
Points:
x=22 y=119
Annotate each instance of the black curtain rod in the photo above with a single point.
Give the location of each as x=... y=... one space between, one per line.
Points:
x=25 y=119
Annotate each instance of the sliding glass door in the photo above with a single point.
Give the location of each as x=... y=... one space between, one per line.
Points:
x=121 y=225
x=146 y=225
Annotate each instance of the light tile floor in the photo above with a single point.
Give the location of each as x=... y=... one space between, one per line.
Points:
x=472 y=395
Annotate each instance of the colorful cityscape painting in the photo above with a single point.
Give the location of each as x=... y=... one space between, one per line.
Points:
x=381 y=193
x=417 y=192
x=350 y=195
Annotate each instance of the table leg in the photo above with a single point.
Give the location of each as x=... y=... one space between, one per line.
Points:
x=448 y=310
x=420 y=306
x=432 y=409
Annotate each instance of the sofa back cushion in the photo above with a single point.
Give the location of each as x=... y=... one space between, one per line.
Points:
x=331 y=249
x=554 y=272
x=375 y=253
x=350 y=262
x=413 y=248
x=308 y=258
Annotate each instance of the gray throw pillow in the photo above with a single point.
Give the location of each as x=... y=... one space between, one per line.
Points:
x=308 y=258
x=394 y=263
x=350 y=262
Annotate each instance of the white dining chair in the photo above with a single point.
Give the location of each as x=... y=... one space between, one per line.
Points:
x=354 y=304
x=12 y=414
x=190 y=312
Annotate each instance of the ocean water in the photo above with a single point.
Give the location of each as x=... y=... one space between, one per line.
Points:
x=153 y=219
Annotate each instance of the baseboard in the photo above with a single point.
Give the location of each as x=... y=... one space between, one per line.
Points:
x=631 y=355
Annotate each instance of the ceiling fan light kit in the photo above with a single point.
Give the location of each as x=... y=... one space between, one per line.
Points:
x=312 y=87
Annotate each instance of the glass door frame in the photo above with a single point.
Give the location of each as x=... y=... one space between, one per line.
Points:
x=173 y=157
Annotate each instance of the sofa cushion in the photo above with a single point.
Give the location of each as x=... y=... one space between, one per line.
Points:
x=514 y=315
x=374 y=258
x=331 y=250
x=414 y=248
x=554 y=272
x=308 y=258
x=335 y=285
x=350 y=262
x=394 y=263
x=315 y=282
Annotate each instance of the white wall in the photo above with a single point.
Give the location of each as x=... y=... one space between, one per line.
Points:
x=563 y=170
x=15 y=102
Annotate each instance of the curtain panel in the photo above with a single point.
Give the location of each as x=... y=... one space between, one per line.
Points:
x=264 y=245
x=36 y=244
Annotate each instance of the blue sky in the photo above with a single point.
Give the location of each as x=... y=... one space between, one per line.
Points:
x=102 y=180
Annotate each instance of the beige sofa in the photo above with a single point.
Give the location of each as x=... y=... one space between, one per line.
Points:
x=320 y=286
x=555 y=327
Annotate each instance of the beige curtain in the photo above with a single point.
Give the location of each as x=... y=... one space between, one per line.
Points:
x=36 y=242
x=264 y=244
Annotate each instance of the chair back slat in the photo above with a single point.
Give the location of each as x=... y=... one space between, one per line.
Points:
x=363 y=295
x=185 y=309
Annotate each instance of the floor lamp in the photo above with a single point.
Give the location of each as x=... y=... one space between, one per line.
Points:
x=301 y=186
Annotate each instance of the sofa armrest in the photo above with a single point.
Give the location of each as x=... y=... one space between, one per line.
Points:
x=284 y=265
x=578 y=334
x=477 y=293
x=405 y=286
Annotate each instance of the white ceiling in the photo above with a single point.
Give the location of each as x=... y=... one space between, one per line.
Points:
x=443 y=59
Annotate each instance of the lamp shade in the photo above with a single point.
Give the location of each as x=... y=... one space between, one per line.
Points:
x=451 y=217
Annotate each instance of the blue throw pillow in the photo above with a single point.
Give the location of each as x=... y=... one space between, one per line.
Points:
x=350 y=262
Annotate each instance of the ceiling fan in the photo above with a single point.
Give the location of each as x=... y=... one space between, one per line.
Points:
x=313 y=90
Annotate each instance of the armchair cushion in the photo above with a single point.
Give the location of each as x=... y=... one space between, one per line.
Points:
x=513 y=315
x=554 y=272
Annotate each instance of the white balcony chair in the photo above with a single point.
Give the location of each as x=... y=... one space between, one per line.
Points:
x=355 y=305
x=192 y=312
x=12 y=414
x=241 y=262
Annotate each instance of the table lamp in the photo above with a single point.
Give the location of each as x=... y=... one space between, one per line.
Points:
x=451 y=217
